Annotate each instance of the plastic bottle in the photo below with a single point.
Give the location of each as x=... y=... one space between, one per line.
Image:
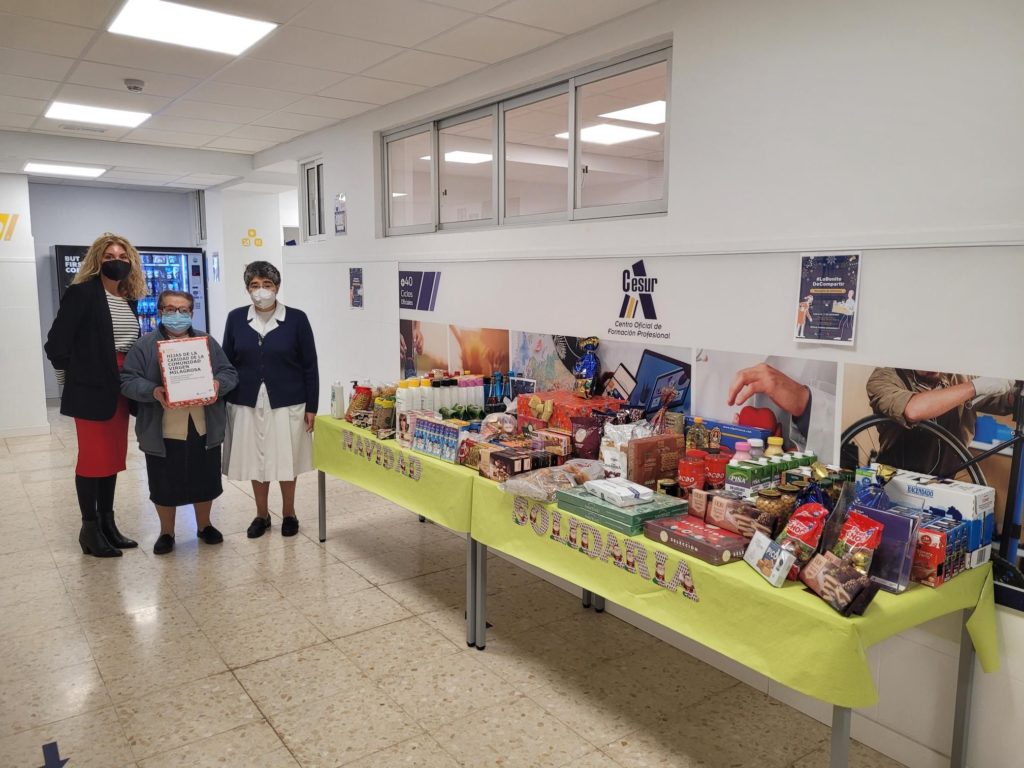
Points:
x=424 y=395
x=434 y=401
x=402 y=397
x=774 y=447
x=756 y=447
x=742 y=451
x=338 y=400
x=697 y=436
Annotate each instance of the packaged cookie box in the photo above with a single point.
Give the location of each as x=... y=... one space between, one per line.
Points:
x=629 y=520
x=650 y=459
x=556 y=442
x=508 y=463
x=769 y=559
x=565 y=405
x=692 y=537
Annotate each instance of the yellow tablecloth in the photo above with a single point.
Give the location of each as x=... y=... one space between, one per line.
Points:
x=437 y=490
x=787 y=634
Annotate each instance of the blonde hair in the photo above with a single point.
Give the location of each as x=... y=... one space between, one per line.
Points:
x=133 y=286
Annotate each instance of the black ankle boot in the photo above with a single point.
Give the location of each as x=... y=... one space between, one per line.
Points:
x=111 y=534
x=93 y=542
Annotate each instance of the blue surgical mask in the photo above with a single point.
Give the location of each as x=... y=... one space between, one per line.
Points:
x=176 y=323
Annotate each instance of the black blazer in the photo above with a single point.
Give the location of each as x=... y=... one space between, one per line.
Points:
x=81 y=343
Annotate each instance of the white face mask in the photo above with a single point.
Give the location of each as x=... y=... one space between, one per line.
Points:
x=263 y=298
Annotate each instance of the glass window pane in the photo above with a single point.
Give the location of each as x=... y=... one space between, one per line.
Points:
x=622 y=137
x=311 y=202
x=409 y=181
x=467 y=171
x=536 y=159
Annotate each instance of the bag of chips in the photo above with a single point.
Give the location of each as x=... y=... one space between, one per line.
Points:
x=858 y=541
x=802 y=535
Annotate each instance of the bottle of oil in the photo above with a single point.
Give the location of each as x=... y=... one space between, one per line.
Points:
x=697 y=436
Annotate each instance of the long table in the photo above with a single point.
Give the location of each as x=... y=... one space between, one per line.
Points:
x=785 y=634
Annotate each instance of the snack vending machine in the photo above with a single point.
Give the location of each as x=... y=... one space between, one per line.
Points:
x=164 y=269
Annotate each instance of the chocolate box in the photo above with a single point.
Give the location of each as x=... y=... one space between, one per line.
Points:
x=506 y=464
x=738 y=516
x=483 y=458
x=692 y=537
x=566 y=405
x=654 y=458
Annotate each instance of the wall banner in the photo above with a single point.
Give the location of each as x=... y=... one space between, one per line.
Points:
x=638 y=316
x=418 y=290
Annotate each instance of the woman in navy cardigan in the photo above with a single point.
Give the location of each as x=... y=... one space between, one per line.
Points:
x=272 y=410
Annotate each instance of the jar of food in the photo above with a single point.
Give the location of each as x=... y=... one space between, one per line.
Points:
x=789 y=493
x=742 y=451
x=774 y=447
x=769 y=501
x=756 y=447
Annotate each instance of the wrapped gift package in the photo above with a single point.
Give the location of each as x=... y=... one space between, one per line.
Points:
x=692 y=537
x=628 y=520
x=566 y=405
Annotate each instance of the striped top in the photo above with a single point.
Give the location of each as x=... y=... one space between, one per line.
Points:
x=126 y=326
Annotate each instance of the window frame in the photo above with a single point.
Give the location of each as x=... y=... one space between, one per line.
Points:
x=460 y=119
x=315 y=164
x=410 y=229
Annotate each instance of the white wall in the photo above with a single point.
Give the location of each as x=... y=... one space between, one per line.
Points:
x=22 y=401
x=795 y=125
x=77 y=215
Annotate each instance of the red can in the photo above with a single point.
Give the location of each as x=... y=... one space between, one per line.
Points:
x=691 y=472
x=714 y=471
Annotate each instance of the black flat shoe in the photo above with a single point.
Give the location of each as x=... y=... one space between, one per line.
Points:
x=210 y=535
x=110 y=532
x=258 y=526
x=93 y=542
x=164 y=544
x=290 y=526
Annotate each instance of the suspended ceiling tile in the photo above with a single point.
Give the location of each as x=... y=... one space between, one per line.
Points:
x=79 y=130
x=239 y=145
x=242 y=95
x=396 y=22
x=174 y=138
x=284 y=77
x=22 y=106
x=422 y=68
x=9 y=120
x=94 y=13
x=320 y=50
x=339 y=109
x=473 y=6
x=264 y=133
x=139 y=177
x=31 y=64
x=566 y=16
x=112 y=76
x=206 y=179
x=27 y=34
x=203 y=110
x=358 y=88
x=108 y=97
x=278 y=11
x=188 y=125
x=26 y=87
x=288 y=119
x=158 y=57
x=490 y=40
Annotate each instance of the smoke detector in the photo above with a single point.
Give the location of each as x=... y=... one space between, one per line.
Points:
x=134 y=85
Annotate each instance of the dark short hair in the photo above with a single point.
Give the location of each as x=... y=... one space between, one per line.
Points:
x=176 y=294
x=262 y=269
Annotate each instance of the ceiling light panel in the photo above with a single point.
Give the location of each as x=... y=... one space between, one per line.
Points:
x=187 y=26
x=49 y=169
x=607 y=134
x=470 y=158
x=80 y=113
x=652 y=113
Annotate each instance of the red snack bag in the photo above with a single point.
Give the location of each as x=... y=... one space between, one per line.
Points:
x=802 y=535
x=858 y=541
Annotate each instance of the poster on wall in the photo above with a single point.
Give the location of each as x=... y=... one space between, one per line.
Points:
x=478 y=350
x=789 y=397
x=418 y=290
x=423 y=347
x=355 y=287
x=340 y=215
x=826 y=310
x=933 y=423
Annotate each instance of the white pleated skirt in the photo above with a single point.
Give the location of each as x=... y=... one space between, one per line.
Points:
x=267 y=444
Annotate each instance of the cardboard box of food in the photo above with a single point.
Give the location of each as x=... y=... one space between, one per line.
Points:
x=739 y=516
x=976 y=503
x=769 y=559
x=692 y=537
x=629 y=520
x=654 y=458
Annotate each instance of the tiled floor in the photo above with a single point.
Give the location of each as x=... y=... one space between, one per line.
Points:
x=283 y=652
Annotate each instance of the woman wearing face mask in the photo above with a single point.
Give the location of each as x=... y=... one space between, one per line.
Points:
x=94 y=328
x=272 y=411
x=182 y=444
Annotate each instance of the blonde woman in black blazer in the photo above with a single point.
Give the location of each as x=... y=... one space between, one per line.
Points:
x=94 y=328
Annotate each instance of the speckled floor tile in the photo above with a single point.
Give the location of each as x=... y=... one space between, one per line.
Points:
x=91 y=740
x=246 y=601
x=304 y=588
x=254 y=744
x=47 y=613
x=178 y=716
x=301 y=677
x=356 y=612
x=421 y=752
x=27 y=587
x=36 y=560
x=860 y=757
x=430 y=592
x=343 y=728
x=593 y=760
x=388 y=649
x=141 y=627
x=263 y=637
x=396 y=564
x=46 y=651
x=50 y=697
x=518 y=734
x=437 y=691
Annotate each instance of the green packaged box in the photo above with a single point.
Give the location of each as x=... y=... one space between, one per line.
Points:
x=628 y=520
x=748 y=477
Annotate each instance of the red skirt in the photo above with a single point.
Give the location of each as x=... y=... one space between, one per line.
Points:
x=103 y=445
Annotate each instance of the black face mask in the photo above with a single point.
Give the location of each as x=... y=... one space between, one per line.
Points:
x=115 y=269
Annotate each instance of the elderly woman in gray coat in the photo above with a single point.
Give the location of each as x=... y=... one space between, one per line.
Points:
x=182 y=444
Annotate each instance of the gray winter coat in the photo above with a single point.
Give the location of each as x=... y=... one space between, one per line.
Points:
x=141 y=375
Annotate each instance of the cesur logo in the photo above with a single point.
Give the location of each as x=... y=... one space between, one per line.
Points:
x=638 y=290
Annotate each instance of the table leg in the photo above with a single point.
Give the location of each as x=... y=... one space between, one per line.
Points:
x=587 y=598
x=481 y=596
x=321 y=497
x=598 y=603
x=470 y=591
x=962 y=710
x=839 y=753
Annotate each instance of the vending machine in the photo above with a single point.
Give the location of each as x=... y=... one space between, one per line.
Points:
x=164 y=269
